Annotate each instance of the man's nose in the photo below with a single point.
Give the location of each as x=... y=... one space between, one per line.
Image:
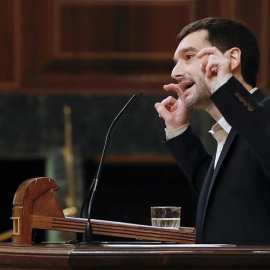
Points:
x=178 y=71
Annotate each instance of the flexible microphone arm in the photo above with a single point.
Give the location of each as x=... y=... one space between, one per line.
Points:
x=108 y=140
x=87 y=197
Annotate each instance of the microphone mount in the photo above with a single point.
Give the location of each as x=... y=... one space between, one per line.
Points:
x=90 y=196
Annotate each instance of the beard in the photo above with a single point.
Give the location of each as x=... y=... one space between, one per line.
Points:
x=200 y=99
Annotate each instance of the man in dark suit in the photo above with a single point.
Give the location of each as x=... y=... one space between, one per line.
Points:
x=216 y=68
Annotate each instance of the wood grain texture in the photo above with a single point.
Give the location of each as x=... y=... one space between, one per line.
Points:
x=107 y=47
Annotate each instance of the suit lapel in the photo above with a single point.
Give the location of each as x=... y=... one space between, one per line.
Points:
x=201 y=203
x=258 y=95
x=212 y=174
x=223 y=154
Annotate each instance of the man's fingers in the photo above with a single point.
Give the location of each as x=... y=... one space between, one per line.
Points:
x=208 y=51
x=168 y=102
x=210 y=65
x=162 y=111
x=165 y=106
x=158 y=108
x=173 y=87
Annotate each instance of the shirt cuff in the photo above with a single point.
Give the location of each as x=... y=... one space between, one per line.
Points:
x=174 y=133
x=221 y=82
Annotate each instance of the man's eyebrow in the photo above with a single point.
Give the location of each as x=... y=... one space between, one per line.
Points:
x=187 y=49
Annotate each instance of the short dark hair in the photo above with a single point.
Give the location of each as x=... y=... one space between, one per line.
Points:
x=225 y=34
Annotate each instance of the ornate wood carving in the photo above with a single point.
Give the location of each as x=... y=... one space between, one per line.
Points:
x=36 y=206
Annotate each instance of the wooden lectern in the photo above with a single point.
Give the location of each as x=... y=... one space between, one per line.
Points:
x=35 y=206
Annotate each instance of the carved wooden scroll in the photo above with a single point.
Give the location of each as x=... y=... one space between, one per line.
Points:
x=35 y=206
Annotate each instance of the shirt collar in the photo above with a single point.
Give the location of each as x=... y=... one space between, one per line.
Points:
x=221 y=124
x=253 y=90
x=224 y=124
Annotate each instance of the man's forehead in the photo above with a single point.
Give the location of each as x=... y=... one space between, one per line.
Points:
x=193 y=41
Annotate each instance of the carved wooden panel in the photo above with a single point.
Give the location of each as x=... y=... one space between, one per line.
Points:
x=213 y=8
x=107 y=46
x=101 y=47
x=123 y=30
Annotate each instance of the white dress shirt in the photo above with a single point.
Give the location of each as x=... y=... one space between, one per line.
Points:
x=220 y=132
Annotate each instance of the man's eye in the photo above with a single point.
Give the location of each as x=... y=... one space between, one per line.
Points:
x=189 y=56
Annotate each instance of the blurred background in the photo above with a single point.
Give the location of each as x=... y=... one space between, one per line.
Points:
x=66 y=69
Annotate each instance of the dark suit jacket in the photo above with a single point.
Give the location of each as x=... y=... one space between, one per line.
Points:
x=234 y=199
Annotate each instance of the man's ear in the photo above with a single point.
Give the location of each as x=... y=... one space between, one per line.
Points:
x=234 y=55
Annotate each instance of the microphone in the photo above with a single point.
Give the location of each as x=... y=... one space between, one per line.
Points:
x=90 y=196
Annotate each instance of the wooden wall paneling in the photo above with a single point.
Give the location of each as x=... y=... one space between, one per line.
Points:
x=106 y=46
x=264 y=45
x=9 y=45
x=113 y=30
x=101 y=47
x=213 y=8
x=37 y=42
x=264 y=81
x=255 y=14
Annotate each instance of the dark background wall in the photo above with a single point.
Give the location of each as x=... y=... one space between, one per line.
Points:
x=92 y=56
x=138 y=172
